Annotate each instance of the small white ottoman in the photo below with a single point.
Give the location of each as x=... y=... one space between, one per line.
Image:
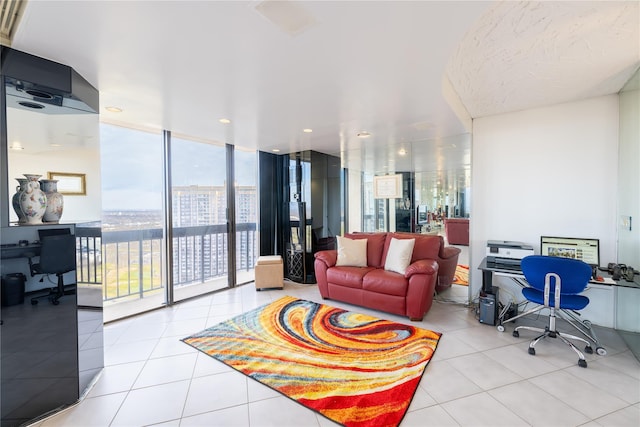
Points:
x=269 y=274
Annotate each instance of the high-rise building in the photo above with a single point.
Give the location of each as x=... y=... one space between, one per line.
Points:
x=203 y=254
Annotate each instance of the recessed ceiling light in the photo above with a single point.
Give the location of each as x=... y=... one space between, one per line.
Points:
x=364 y=134
x=402 y=152
x=307 y=130
x=225 y=121
x=276 y=150
x=55 y=145
x=16 y=146
x=114 y=109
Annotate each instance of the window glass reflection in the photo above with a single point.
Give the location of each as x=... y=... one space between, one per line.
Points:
x=199 y=215
x=246 y=214
x=132 y=220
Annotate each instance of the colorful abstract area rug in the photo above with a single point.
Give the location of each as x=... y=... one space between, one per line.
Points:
x=461 y=276
x=354 y=369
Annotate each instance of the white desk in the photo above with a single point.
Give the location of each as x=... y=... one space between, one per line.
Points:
x=603 y=296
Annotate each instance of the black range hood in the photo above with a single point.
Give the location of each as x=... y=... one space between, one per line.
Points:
x=57 y=85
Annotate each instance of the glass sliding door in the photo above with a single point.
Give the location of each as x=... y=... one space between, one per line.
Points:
x=132 y=221
x=142 y=269
x=199 y=217
x=246 y=208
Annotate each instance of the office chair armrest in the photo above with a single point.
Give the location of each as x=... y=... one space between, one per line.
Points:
x=33 y=268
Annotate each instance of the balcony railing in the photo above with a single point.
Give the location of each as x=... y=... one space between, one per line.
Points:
x=130 y=263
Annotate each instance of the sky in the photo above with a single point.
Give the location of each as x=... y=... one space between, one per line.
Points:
x=132 y=165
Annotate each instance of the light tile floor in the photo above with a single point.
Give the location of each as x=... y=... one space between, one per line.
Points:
x=478 y=376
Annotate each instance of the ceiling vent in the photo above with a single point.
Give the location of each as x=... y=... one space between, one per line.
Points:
x=10 y=13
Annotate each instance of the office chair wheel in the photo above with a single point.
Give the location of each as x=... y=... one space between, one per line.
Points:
x=55 y=302
x=588 y=349
x=582 y=363
x=532 y=351
x=500 y=328
x=601 y=351
x=516 y=334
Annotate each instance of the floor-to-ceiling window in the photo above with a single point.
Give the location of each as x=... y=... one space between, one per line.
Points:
x=141 y=272
x=246 y=208
x=199 y=217
x=132 y=220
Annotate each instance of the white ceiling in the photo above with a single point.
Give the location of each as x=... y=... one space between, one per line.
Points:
x=413 y=74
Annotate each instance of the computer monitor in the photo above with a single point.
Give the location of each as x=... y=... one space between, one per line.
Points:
x=583 y=249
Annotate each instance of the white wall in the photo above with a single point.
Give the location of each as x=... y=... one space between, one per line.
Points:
x=546 y=171
x=76 y=208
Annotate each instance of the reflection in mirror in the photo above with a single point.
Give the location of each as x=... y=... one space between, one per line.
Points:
x=628 y=295
x=41 y=143
x=629 y=174
x=439 y=171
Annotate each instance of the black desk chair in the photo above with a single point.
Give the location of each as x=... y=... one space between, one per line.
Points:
x=57 y=256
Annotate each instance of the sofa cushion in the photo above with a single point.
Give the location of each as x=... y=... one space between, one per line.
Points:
x=426 y=247
x=399 y=255
x=385 y=282
x=375 y=247
x=351 y=277
x=351 y=252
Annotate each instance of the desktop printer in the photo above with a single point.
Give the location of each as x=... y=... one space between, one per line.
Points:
x=506 y=252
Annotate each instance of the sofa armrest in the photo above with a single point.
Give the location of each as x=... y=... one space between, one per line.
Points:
x=328 y=257
x=447 y=267
x=422 y=276
x=447 y=252
x=422 y=266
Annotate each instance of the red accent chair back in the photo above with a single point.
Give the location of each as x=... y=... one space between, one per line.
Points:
x=457 y=231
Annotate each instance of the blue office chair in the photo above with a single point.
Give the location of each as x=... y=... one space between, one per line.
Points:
x=555 y=284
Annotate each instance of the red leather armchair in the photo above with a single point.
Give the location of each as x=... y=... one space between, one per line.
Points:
x=457 y=231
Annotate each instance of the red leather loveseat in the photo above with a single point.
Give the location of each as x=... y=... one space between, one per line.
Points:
x=431 y=268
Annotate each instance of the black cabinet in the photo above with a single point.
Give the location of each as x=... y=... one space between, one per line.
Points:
x=51 y=351
x=313 y=190
x=302 y=213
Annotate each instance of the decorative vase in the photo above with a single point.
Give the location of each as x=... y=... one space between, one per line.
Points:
x=15 y=200
x=55 y=201
x=33 y=201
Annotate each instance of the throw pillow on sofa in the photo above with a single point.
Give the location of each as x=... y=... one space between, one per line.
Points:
x=351 y=252
x=399 y=255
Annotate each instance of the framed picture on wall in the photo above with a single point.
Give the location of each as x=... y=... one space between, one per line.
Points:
x=70 y=184
x=387 y=186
